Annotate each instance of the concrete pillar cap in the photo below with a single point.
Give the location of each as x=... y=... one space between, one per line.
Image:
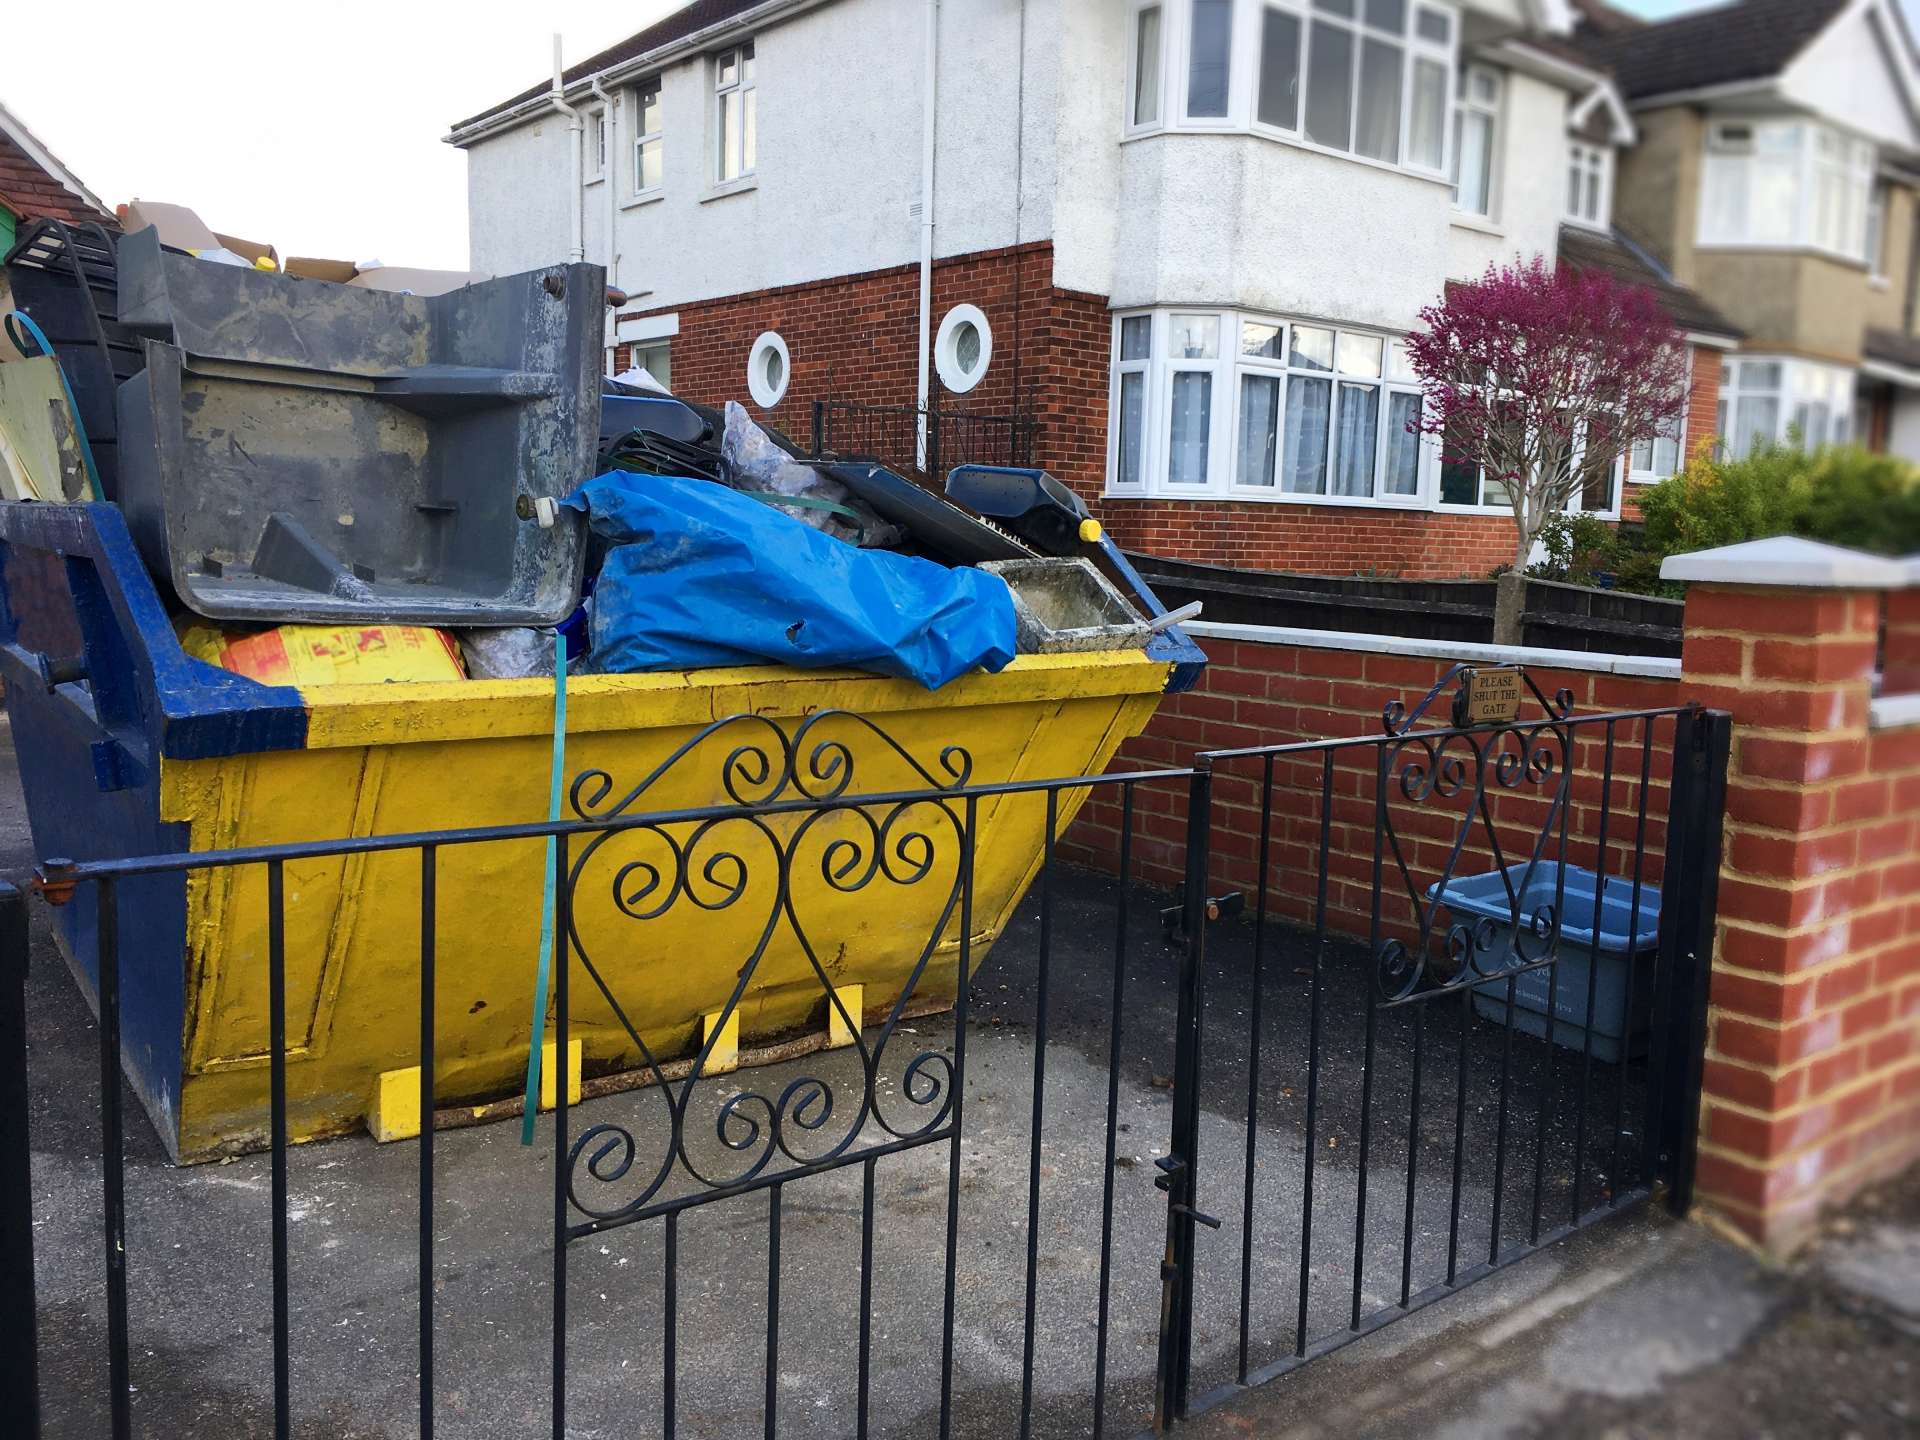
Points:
x=1788 y=560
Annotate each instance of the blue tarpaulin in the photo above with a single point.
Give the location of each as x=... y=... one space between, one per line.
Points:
x=699 y=575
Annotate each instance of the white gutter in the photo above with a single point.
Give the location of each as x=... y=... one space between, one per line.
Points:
x=577 y=250
x=932 y=94
x=610 y=117
x=734 y=27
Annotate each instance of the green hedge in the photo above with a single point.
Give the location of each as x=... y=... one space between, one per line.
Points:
x=1842 y=495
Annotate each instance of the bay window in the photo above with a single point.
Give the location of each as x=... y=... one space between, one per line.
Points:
x=1764 y=399
x=1368 y=78
x=1217 y=403
x=1786 y=183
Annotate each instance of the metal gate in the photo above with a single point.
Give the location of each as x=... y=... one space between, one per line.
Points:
x=1309 y=991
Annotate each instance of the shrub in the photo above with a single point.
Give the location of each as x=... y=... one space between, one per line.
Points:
x=1842 y=495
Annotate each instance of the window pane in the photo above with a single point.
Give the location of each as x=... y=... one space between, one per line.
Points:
x=649 y=163
x=1279 y=103
x=1459 y=484
x=729 y=135
x=1403 y=445
x=1208 y=66
x=1642 y=456
x=650 y=110
x=1335 y=7
x=1760 y=375
x=1434 y=26
x=1389 y=15
x=1136 y=337
x=1573 y=184
x=1399 y=367
x=1358 y=355
x=1133 y=418
x=1146 y=77
x=1754 y=419
x=749 y=139
x=1192 y=427
x=727 y=71
x=746 y=63
x=1355 y=443
x=1312 y=349
x=1427 y=125
x=1666 y=455
x=1195 y=337
x=1308 y=402
x=1259 y=428
x=1591 y=209
x=1379 y=136
x=657 y=360
x=1473 y=161
x=1330 y=86
x=1261 y=340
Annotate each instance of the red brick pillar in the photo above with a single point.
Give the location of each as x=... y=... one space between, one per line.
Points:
x=1813 y=961
x=1903 y=635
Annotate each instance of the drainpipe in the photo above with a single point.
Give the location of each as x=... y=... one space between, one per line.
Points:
x=577 y=251
x=932 y=95
x=607 y=182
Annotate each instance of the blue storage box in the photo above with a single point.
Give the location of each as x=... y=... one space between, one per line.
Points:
x=1620 y=938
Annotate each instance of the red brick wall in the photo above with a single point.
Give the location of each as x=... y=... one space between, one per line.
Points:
x=1326 y=539
x=1254 y=693
x=1813 y=1069
x=856 y=338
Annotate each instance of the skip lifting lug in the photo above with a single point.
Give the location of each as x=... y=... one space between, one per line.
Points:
x=1170 y=1166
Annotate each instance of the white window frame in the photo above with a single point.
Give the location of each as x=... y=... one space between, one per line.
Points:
x=1878 y=196
x=1589 y=160
x=745 y=86
x=1855 y=165
x=1130 y=124
x=1143 y=367
x=597 y=142
x=1467 y=103
x=1248 y=18
x=1798 y=379
x=643 y=140
x=769 y=345
x=1226 y=369
x=1503 y=506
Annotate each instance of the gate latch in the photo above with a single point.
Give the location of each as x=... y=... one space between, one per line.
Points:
x=1173 y=919
x=1170 y=1166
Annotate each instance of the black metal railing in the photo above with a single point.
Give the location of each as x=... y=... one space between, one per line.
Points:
x=1352 y=834
x=890 y=435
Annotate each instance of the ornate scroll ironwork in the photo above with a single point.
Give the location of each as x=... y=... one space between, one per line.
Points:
x=1475 y=764
x=791 y=812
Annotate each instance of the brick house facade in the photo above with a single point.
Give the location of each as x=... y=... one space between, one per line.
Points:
x=1074 y=199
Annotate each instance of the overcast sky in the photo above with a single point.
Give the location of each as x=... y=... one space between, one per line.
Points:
x=314 y=129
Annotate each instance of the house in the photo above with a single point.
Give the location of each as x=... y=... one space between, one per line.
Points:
x=1186 y=236
x=1776 y=174
x=35 y=185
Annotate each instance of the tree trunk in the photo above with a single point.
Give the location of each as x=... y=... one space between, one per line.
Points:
x=1509 y=607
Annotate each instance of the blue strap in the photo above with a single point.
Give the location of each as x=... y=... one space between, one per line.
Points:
x=531 y=1109
x=16 y=322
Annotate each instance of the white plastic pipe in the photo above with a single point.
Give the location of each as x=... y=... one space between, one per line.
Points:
x=610 y=116
x=576 y=234
x=932 y=96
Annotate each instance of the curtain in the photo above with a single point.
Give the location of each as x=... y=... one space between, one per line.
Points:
x=1359 y=424
x=1308 y=403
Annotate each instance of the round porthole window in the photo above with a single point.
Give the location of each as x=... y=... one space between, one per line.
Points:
x=964 y=348
x=768 y=369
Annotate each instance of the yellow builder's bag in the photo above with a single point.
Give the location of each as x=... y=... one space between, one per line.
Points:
x=305 y=655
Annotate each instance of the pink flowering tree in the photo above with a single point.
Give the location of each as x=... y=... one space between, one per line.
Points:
x=1542 y=379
